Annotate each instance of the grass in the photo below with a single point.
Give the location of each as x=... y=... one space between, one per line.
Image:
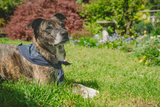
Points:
x=120 y=80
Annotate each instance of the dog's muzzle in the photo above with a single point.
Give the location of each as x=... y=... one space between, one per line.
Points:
x=65 y=36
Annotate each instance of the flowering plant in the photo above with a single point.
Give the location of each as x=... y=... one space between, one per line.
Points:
x=149 y=51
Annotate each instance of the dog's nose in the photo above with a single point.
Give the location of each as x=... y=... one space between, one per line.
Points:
x=64 y=33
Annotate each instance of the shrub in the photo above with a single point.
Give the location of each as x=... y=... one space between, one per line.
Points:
x=7 y=7
x=81 y=33
x=123 y=11
x=26 y=13
x=148 y=51
x=94 y=11
x=141 y=27
x=113 y=42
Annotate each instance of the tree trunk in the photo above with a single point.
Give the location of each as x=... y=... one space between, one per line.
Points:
x=128 y=25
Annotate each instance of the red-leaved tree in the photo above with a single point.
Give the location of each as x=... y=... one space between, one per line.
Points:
x=25 y=13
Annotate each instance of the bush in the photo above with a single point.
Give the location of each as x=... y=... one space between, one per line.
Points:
x=81 y=33
x=26 y=13
x=148 y=51
x=7 y=8
x=141 y=27
x=113 y=42
x=94 y=11
x=123 y=11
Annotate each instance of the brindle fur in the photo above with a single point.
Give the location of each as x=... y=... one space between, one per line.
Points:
x=13 y=65
x=49 y=39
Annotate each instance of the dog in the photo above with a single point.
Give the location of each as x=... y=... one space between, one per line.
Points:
x=40 y=61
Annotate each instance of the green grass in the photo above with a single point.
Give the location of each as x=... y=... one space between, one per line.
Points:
x=120 y=80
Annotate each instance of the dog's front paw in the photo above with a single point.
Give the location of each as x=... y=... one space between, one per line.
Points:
x=86 y=92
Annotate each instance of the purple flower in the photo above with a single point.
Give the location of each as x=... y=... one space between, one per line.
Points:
x=75 y=40
x=70 y=37
x=139 y=44
x=84 y=42
x=97 y=44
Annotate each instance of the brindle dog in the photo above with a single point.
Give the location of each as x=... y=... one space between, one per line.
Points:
x=50 y=37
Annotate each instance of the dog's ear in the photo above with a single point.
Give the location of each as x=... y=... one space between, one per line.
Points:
x=35 y=23
x=60 y=16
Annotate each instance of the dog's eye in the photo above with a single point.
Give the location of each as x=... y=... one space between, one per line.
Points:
x=48 y=29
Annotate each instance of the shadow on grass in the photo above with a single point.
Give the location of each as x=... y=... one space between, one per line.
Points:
x=12 y=97
x=92 y=83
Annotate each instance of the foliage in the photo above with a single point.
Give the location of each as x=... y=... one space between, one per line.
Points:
x=140 y=15
x=148 y=51
x=81 y=33
x=79 y=1
x=153 y=4
x=7 y=7
x=157 y=24
x=113 y=42
x=120 y=80
x=123 y=11
x=140 y=27
x=92 y=12
x=2 y=22
x=26 y=13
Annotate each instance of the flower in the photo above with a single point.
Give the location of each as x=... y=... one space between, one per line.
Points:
x=135 y=59
x=140 y=61
x=70 y=37
x=132 y=36
x=139 y=44
x=146 y=63
x=97 y=44
x=140 y=38
x=144 y=57
x=145 y=32
x=145 y=35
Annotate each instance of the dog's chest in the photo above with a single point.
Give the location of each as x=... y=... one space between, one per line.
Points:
x=60 y=53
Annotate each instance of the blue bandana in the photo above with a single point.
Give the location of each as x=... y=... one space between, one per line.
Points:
x=31 y=54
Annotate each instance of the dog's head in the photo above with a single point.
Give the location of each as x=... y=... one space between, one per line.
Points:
x=51 y=34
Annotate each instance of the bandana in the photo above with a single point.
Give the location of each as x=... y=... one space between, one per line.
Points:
x=31 y=54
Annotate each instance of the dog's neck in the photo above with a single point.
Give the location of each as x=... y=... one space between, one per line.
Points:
x=45 y=53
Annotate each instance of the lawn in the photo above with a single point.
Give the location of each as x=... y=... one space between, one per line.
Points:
x=120 y=80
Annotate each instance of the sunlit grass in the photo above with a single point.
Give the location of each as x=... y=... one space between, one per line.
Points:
x=120 y=80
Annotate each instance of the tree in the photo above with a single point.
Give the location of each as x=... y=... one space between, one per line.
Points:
x=124 y=12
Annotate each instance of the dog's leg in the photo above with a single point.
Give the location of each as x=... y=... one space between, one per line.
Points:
x=1 y=79
x=86 y=92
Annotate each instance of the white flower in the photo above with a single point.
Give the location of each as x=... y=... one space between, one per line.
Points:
x=152 y=37
x=96 y=36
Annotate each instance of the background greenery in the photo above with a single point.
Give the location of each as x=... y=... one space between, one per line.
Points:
x=120 y=80
x=125 y=68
